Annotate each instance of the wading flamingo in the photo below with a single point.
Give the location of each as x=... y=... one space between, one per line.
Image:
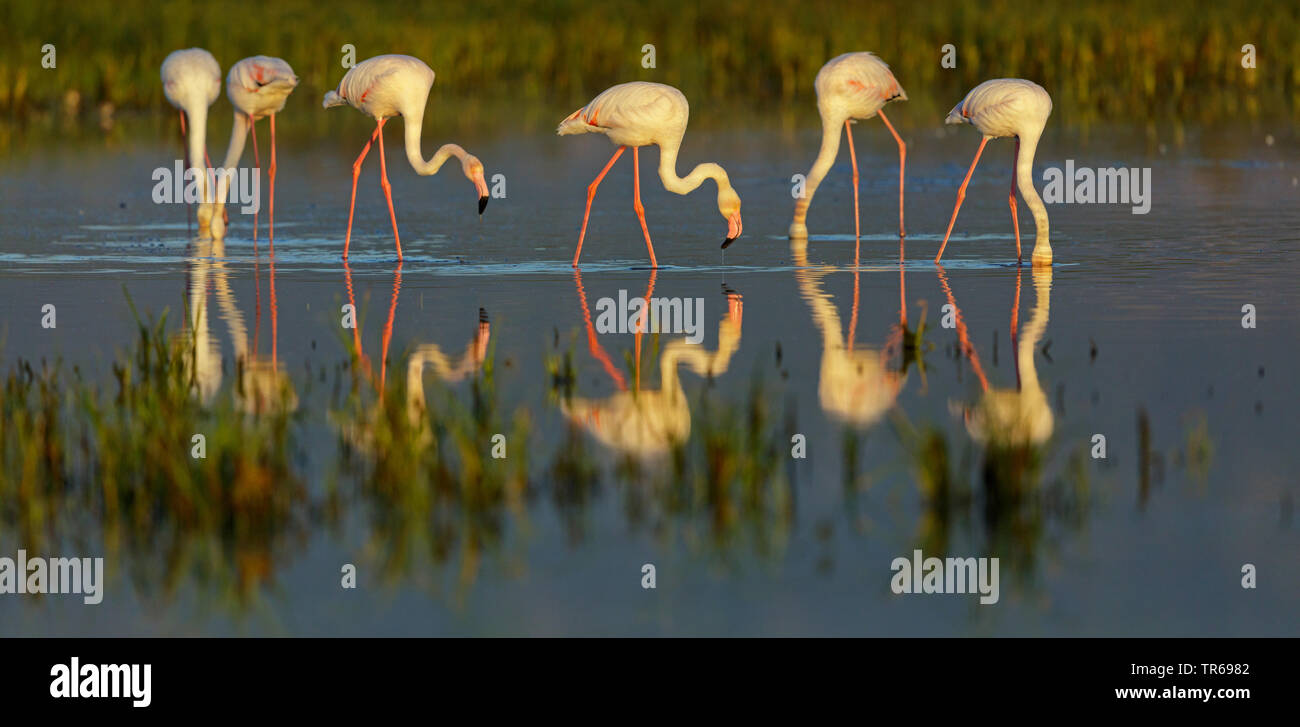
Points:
x=257 y=87
x=392 y=85
x=1008 y=107
x=191 y=81
x=850 y=87
x=639 y=114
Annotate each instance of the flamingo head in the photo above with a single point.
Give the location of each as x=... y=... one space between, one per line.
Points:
x=729 y=206
x=473 y=169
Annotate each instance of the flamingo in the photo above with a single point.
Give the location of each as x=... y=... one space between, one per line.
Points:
x=192 y=82
x=1008 y=107
x=639 y=114
x=392 y=85
x=850 y=87
x=258 y=88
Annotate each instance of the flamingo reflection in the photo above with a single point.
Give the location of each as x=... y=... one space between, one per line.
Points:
x=424 y=357
x=262 y=385
x=1006 y=417
x=647 y=423
x=857 y=384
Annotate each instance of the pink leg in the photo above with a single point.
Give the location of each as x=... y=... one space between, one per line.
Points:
x=1015 y=327
x=857 y=229
x=257 y=163
x=961 y=194
x=356 y=330
x=388 y=193
x=853 y=318
x=1015 y=218
x=388 y=326
x=275 y=321
x=356 y=172
x=593 y=343
x=902 y=166
x=591 y=194
x=636 y=203
x=271 y=173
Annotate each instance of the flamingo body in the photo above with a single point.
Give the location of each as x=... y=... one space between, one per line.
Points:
x=639 y=113
x=259 y=86
x=385 y=86
x=855 y=86
x=1004 y=107
x=191 y=78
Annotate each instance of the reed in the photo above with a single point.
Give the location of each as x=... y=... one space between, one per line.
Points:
x=1127 y=60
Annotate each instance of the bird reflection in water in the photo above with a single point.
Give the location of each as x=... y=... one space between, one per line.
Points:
x=857 y=384
x=648 y=423
x=1013 y=426
x=262 y=385
x=1005 y=417
x=425 y=356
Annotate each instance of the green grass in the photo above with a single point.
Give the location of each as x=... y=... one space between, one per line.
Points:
x=112 y=464
x=1107 y=60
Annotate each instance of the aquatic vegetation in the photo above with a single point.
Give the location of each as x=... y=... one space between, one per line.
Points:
x=732 y=474
x=171 y=487
x=725 y=486
x=1010 y=499
x=437 y=477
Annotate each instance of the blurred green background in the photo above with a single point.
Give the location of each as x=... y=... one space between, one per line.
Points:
x=1135 y=60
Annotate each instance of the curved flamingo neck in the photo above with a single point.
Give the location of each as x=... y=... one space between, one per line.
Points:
x=692 y=181
x=1033 y=333
x=235 y=150
x=413 y=122
x=821 y=166
x=197 y=115
x=1025 y=183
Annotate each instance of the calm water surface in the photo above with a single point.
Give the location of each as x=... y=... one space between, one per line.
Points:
x=1136 y=334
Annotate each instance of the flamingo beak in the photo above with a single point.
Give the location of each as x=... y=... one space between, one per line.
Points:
x=734 y=227
x=481 y=185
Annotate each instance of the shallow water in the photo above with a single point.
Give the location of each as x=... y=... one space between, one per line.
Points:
x=1136 y=333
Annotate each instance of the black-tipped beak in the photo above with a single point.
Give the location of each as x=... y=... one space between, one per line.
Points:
x=727 y=242
x=482 y=204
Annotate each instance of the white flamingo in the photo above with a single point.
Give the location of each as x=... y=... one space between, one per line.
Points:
x=191 y=81
x=1008 y=107
x=258 y=88
x=638 y=114
x=850 y=87
x=392 y=85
